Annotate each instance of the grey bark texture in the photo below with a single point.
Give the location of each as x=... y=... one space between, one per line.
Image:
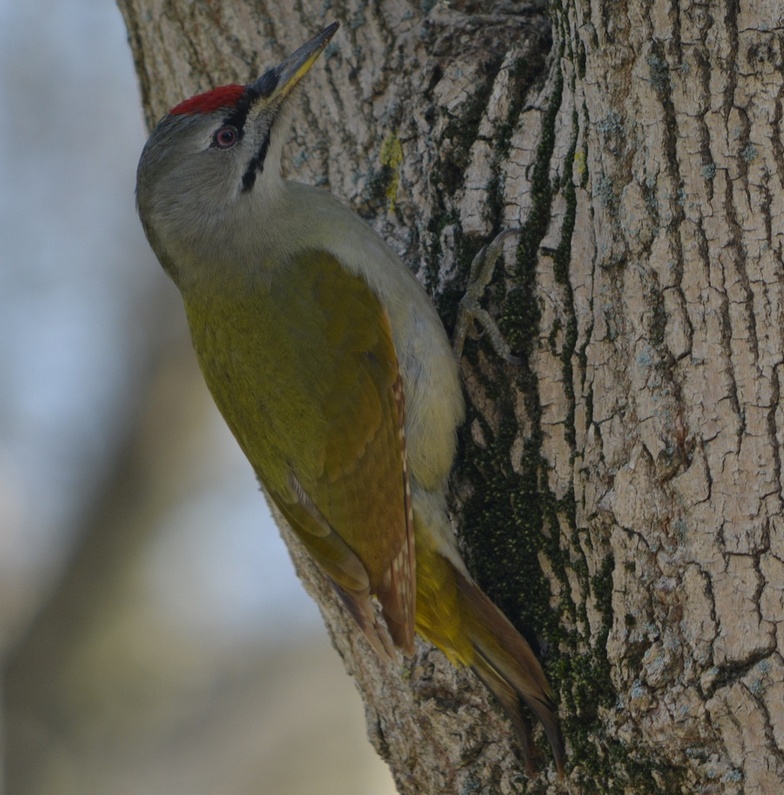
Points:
x=619 y=494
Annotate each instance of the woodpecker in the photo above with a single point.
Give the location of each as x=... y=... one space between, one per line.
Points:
x=333 y=371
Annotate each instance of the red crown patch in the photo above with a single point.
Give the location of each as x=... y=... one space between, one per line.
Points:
x=221 y=97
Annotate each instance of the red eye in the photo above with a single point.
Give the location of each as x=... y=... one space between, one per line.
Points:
x=225 y=138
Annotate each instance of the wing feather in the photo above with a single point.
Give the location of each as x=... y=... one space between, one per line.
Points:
x=305 y=373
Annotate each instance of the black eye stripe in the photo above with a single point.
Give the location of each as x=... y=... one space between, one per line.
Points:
x=268 y=83
x=261 y=89
x=239 y=113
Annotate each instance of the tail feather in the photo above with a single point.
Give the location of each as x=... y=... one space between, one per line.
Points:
x=507 y=666
x=510 y=701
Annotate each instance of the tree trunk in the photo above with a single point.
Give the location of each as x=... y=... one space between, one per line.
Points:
x=619 y=494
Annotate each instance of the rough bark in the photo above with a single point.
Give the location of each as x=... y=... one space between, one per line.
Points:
x=620 y=493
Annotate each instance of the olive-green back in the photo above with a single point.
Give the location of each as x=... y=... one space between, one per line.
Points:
x=303 y=368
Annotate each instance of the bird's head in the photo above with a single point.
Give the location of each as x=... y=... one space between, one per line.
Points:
x=214 y=158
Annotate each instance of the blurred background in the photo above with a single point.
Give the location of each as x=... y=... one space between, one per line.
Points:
x=153 y=636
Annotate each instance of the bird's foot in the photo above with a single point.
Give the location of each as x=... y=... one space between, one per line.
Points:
x=482 y=269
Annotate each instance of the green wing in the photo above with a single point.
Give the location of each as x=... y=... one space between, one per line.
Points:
x=304 y=370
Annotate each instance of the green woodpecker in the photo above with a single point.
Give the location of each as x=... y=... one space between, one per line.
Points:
x=332 y=369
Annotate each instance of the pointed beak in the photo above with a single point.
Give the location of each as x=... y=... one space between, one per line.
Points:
x=278 y=82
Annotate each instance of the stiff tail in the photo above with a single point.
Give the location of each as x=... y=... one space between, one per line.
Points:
x=506 y=665
x=453 y=613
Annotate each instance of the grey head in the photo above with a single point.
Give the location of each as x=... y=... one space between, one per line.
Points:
x=212 y=164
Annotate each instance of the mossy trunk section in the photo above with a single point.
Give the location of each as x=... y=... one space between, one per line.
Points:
x=619 y=493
